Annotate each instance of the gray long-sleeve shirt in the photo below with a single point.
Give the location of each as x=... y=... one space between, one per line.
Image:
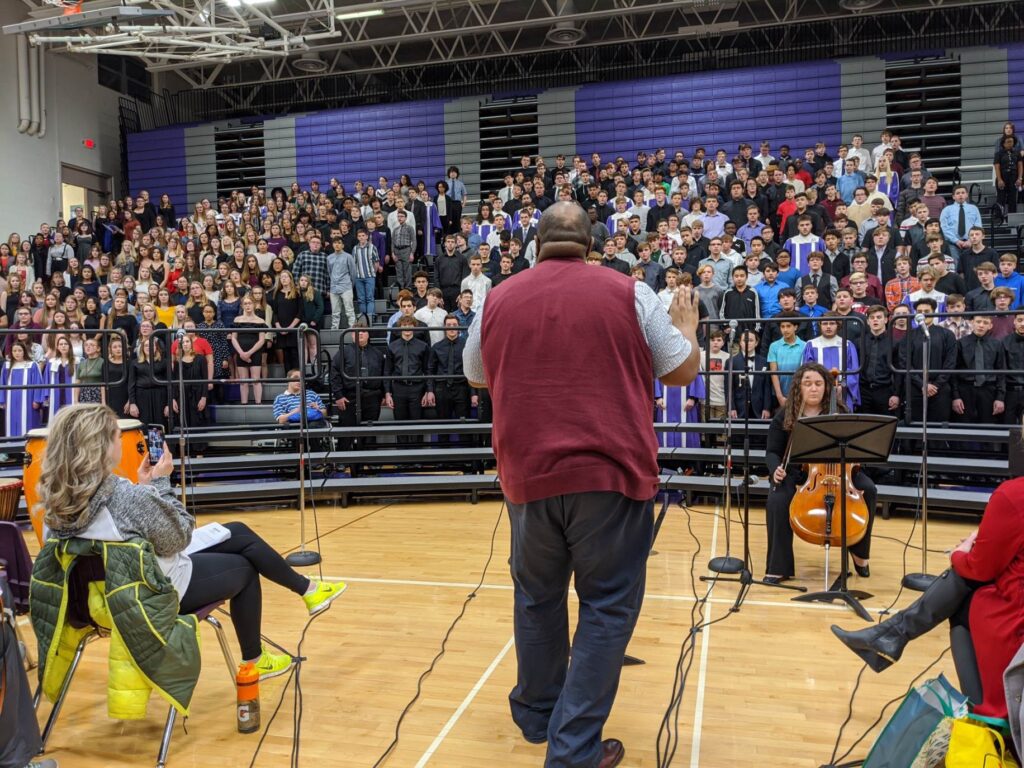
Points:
x=342 y=270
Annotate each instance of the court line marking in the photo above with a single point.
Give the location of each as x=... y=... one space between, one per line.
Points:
x=702 y=673
x=648 y=596
x=458 y=713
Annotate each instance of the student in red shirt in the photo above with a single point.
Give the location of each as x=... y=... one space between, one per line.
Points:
x=786 y=208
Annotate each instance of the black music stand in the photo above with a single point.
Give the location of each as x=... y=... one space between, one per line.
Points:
x=842 y=438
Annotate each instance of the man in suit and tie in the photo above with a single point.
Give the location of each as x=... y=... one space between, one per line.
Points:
x=956 y=221
x=418 y=212
x=524 y=230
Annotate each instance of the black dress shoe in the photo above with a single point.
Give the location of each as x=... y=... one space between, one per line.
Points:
x=862 y=570
x=536 y=739
x=612 y=753
x=775 y=579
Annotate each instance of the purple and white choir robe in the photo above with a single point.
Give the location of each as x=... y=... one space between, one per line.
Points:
x=674 y=412
x=434 y=229
x=58 y=393
x=829 y=352
x=19 y=414
x=484 y=230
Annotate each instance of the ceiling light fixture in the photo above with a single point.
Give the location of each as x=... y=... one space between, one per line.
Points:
x=349 y=15
x=240 y=3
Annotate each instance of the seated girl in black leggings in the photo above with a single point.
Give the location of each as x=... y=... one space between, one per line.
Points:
x=81 y=498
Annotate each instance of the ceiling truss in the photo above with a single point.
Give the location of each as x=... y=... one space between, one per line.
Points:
x=211 y=43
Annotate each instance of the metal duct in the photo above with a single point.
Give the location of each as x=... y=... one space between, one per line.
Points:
x=24 y=102
x=41 y=53
x=33 y=90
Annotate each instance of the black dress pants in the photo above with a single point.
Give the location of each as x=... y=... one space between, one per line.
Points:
x=875 y=399
x=780 y=533
x=1014 y=406
x=978 y=403
x=408 y=404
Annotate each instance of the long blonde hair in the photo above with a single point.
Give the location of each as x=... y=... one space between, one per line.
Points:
x=77 y=462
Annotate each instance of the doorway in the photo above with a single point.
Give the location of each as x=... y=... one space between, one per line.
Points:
x=82 y=189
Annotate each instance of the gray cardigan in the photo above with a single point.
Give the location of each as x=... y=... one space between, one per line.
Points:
x=1013 y=683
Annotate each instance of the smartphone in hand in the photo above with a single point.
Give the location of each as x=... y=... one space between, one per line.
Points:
x=155 y=442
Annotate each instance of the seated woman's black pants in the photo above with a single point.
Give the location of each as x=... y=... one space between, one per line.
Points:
x=231 y=571
x=780 y=534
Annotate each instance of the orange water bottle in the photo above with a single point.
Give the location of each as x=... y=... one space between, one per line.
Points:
x=247 y=682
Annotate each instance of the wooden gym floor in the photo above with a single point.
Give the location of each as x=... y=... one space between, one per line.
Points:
x=769 y=685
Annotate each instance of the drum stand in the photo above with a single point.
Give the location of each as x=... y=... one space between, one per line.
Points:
x=303 y=556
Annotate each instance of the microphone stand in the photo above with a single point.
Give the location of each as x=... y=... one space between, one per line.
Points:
x=182 y=443
x=304 y=556
x=919 y=582
x=746 y=578
x=727 y=564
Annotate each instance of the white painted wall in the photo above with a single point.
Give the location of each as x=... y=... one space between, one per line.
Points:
x=77 y=107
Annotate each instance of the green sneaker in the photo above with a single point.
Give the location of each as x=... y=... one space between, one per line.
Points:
x=273 y=664
x=323 y=595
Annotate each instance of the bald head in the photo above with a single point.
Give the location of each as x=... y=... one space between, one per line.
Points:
x=564 y=223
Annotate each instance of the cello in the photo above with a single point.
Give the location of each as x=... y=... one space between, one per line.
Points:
x=812 y=510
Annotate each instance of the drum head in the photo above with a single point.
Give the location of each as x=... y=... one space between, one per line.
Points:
x=37 y=433
x=128 y=425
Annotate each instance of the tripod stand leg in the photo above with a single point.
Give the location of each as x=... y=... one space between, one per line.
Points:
x=831 y=596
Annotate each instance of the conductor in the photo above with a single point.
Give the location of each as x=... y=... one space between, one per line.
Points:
x=579 y=477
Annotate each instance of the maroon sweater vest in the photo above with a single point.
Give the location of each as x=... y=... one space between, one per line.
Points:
x=570 y=375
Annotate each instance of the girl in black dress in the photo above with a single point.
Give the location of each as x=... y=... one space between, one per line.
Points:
x=119 y=319
x=149 y=379
x=196 y=301
x=117 y=395
x=11 y=298
x=287 y=305
x=219 y=343
x=312 y=314
x=192 y=413
x=248 y=341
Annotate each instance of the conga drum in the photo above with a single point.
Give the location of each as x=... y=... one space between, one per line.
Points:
x=10 y=494
x=133 y=448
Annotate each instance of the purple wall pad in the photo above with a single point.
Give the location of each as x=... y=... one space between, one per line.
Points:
x=157 y=163
x=1015 y=84
x=368 y=142
x=796 y=104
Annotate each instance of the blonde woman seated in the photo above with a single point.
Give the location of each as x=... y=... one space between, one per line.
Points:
x=83 y=499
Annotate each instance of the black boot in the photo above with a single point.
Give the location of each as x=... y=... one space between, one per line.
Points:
x=882 y=645
x=965 y=660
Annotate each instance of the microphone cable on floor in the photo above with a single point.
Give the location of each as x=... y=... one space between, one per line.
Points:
x=444 y=642
x=668 y=731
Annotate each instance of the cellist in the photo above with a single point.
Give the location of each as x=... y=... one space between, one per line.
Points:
x=810 y=394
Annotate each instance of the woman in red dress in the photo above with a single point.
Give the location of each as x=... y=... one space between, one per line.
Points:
x=982 y=596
